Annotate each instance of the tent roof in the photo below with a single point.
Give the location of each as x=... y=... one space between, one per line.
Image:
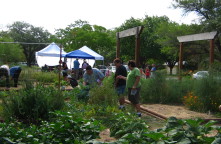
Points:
x=79 y=54
x=51 y=50
x=91 y=52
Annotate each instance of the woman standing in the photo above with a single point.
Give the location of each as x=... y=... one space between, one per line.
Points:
x=147 y=72
x=134 y=86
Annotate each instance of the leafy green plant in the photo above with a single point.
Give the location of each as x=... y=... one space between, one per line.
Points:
x=104 y=94
x=32 y=103
x=64 y=129
x=45 y=76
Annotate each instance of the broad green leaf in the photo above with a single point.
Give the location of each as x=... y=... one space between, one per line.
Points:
x=194 y=123
x=155 y=136
x=7 y=139
x=211 y=122
x=172 y=119
x=217 y=141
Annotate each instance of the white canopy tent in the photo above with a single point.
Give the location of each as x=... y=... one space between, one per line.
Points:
x=91 y=52
x=50 y=55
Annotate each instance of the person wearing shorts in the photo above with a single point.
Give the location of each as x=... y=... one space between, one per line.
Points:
x=120 y=84
x=134 y=86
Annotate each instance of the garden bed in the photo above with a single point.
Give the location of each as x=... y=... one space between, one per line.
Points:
x=180 y=112
x=20 y=87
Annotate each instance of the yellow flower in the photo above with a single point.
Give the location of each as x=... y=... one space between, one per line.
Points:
x=191 y=104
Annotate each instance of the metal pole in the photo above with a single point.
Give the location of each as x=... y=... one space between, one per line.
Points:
x=59 y=69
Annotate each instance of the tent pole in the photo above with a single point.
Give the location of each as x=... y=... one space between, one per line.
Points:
x=59 y=70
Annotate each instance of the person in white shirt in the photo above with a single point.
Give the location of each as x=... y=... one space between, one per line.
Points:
x=4 y=71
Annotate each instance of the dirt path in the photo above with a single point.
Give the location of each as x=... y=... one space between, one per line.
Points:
x=180 y=112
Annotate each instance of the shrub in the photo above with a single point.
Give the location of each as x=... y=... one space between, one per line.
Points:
x=32 y=103
x=104 y=94
x=46 y=76
x=160 y=90
x=205 y=95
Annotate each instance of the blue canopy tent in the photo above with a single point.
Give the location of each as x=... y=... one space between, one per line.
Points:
x=81 y=55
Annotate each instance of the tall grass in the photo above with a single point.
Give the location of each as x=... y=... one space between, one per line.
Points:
x=205 y=94
x=162 y=90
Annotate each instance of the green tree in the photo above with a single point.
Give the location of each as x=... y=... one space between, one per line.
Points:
x=25 y=32
x=10 y=52
x=149 y=49
x=194 y=52
x=81 y=33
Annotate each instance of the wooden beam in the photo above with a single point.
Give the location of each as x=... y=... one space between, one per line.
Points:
x=130 y=32
x=137 y=49
x=181 y=57
x=118 y=47
x=211 y=51
x=197 y=37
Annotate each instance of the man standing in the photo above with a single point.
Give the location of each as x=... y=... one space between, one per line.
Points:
x=4 y=71
x=120 y=84
x=93 y=76
x=153 y=69
x=15 y=72
x=76 y=68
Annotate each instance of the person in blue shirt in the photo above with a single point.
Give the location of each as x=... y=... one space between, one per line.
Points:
x=76 y=68
x=93 y=76
x=15 y=72
x=153 y=71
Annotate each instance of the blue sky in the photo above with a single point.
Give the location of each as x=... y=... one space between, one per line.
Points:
x=54 y=14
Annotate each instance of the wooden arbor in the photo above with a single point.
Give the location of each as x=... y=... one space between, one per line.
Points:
x=196 y=37
x=129 y=32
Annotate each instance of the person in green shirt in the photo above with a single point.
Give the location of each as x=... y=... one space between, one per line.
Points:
x=134 y=85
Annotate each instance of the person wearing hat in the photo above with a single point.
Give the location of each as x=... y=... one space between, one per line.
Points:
x=15 y=72
x=4 y=71
x=76 y=68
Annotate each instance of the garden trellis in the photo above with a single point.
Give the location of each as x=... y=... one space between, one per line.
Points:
x=197 y=37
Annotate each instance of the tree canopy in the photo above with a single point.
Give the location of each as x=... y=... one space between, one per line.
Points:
x=25 y=32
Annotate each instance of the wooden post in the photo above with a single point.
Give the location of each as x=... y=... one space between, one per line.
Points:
x=181 y=57
x=137 y=48
x=59 y=69
x=118 y=46
x=211 y=52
